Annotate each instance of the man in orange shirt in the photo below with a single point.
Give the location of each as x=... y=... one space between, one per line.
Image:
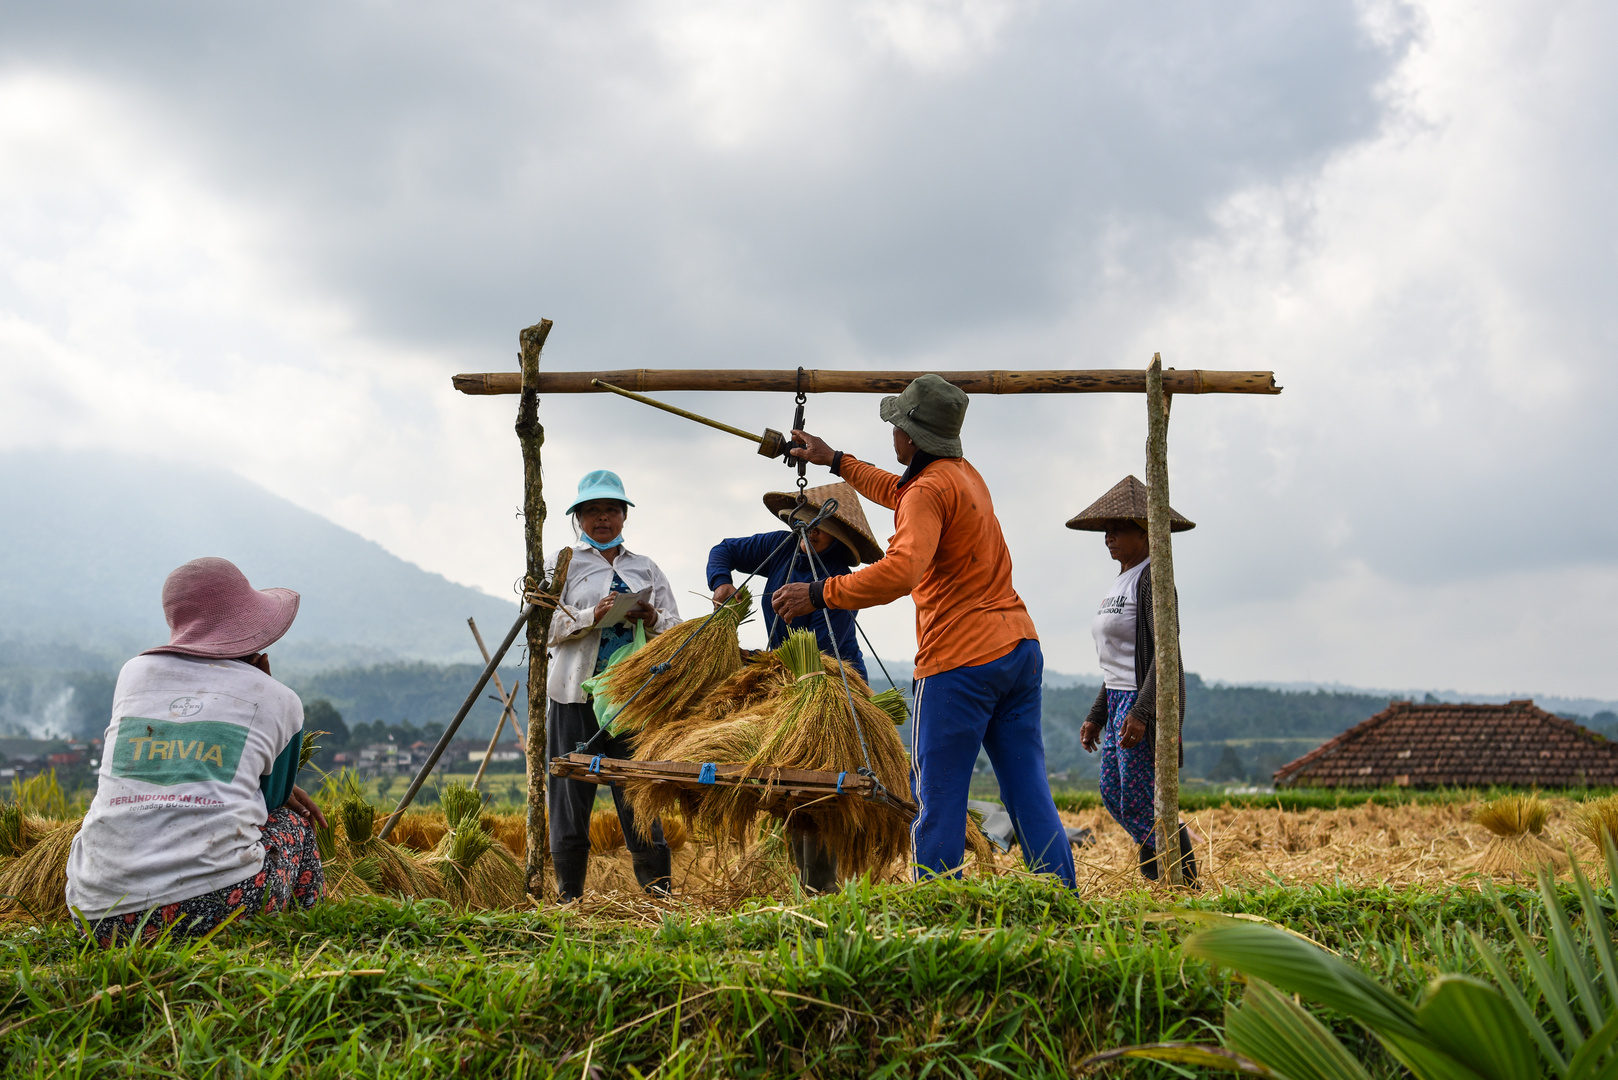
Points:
x=978 y=662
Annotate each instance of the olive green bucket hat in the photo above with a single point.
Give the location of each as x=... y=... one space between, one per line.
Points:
x=930 y=411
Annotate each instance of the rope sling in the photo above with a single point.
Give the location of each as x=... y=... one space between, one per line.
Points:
x=798 y=536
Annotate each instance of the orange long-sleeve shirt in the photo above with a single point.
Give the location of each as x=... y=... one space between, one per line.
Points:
x=949 y=554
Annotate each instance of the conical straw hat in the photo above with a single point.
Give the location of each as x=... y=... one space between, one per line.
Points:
x=1125 y=502
x=847 y=522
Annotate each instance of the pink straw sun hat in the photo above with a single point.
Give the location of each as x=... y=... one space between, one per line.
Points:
x=212 y=611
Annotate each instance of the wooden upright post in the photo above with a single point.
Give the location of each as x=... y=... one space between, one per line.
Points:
x=1166 y=623
x=532 y=436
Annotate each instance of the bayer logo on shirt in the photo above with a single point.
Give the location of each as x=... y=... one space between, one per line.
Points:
x=185 y=706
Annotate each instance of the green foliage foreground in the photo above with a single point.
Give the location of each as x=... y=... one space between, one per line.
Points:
x=1006 y=977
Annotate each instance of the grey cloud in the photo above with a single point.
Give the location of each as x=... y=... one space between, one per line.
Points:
x=448 y=172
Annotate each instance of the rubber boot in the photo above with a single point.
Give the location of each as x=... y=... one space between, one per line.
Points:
x=1148 y=861
x=571 y=866
x=817 y=867
x=1188 y=859
x=653 y=869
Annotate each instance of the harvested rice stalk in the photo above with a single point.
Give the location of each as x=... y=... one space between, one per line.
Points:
x=397 y=872
x=38 y=877
x=705 y=659
x=892 y=701
x=1516 y=822
x=460 y=803
x=1599 y=816
x=726 y=742
x=14 y=832
x=310 y=747
x=459 y=852
x=813 y=728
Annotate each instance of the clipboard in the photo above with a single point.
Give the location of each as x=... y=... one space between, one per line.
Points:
x=621 y=603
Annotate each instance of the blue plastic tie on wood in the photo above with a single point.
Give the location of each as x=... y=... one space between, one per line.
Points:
x=709 y=774
x=840 y=782
x=595 y=763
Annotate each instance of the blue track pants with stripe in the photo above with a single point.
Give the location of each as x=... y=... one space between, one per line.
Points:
x=995 y=706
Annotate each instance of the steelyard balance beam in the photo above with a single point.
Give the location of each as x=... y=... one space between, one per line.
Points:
x=822 y=381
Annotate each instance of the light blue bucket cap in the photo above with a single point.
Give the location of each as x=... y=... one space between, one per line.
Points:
x=600 y=484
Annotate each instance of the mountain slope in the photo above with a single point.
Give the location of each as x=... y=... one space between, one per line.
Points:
x=87 y=539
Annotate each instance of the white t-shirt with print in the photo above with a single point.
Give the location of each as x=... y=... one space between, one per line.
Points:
x=1114 y=630
x=178 y=804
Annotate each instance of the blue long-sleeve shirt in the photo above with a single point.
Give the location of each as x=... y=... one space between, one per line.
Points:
x=751 y=554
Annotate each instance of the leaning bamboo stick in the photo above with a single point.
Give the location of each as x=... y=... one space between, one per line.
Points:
x=508 y=705
x=1165 y=622
x=1055 y=381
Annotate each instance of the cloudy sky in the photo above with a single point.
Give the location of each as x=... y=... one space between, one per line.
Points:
x=265 y=236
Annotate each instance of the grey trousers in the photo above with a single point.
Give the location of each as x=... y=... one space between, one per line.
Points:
x=817 y=867
x=568 y=802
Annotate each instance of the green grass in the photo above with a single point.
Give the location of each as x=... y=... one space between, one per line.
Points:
x=1009 y=977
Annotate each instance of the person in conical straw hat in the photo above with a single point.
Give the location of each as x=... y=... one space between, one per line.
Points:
x=1123 y=721
x=840 y=543
x=978 y=661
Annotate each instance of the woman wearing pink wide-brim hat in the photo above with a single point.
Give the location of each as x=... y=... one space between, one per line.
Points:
x=197 y=813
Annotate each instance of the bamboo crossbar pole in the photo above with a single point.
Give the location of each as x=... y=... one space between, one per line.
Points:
x=822 y=381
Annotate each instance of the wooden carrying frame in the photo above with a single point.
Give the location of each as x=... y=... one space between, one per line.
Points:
x=1158 y=384
x=783 y=790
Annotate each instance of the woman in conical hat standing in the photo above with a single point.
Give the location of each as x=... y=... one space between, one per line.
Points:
x=1123 y=720
x=840 y=543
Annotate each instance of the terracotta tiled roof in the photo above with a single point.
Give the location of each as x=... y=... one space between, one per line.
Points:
x=1410 y=745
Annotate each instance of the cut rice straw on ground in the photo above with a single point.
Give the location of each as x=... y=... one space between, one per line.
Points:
x=709 y=653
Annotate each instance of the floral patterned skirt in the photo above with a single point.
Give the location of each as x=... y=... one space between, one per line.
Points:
x=291 y=874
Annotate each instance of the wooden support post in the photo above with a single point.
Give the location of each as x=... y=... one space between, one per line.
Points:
x=532 y=437
x=1166 y=623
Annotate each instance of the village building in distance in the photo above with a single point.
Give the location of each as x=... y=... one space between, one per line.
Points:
x=1416 y=745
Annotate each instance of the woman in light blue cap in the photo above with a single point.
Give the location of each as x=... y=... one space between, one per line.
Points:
x=580 y=645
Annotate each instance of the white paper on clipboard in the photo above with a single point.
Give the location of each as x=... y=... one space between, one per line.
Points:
x=621 y=603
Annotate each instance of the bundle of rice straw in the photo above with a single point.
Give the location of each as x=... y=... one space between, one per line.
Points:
x=1516 y=822
x=812 y=728
x=34 y=882
x=20 y=830
x=709 y=652
x=360 y=862
x=1598 y=816
x=477 y=871
x=724 y=742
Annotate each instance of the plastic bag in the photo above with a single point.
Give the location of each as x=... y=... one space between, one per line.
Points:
x=596 y=685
